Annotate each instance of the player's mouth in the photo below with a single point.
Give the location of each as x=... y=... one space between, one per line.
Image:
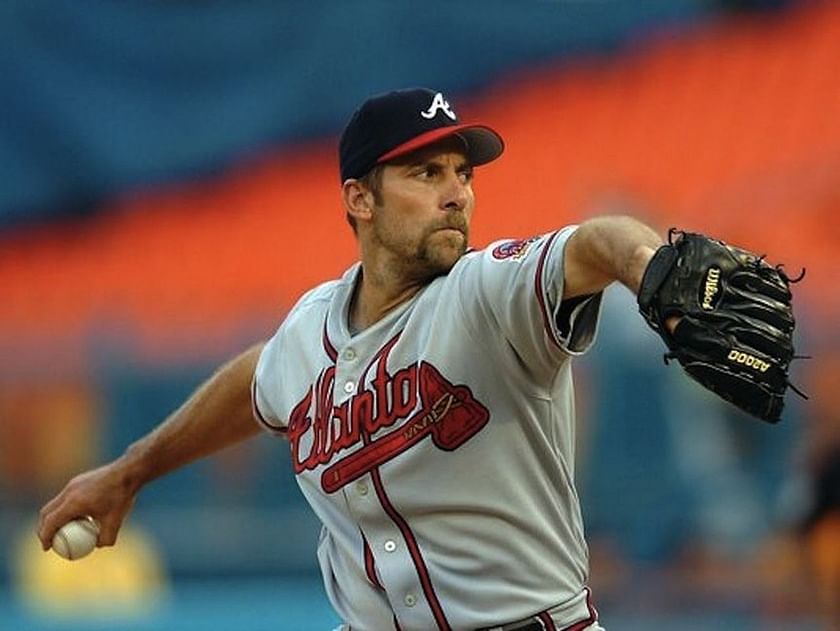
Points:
x=454 y=226
x=454 y=237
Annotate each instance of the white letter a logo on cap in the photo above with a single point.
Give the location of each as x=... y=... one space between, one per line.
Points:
x=438 y=103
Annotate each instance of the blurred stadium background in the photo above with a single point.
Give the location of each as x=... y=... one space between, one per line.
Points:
x=169 y=187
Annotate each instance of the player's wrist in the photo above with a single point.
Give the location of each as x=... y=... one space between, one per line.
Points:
x=133 y=469
x=639 y=260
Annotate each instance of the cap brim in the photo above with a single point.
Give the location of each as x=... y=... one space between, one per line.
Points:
x=483 y=143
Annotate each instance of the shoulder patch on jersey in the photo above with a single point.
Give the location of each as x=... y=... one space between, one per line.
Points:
x=514 y=249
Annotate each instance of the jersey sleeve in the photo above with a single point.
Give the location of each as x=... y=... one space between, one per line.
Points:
x=267 y=373
x=514 y=291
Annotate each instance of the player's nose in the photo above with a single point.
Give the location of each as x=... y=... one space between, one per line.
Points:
x=456 y=192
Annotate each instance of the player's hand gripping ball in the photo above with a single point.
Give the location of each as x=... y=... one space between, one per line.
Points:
x=76 y=539
x=735 y=333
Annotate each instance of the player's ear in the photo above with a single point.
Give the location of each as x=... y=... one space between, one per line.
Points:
x=358 y=200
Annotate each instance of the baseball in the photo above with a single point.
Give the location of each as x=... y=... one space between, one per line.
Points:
x=76 y=539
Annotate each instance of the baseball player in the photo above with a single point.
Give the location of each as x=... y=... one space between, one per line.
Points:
x=426 y=394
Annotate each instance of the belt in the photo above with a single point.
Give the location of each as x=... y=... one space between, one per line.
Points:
x=532 y=625
x=540 y=622
x=543 y=622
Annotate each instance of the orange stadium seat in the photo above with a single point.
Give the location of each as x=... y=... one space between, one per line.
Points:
x=730 y=130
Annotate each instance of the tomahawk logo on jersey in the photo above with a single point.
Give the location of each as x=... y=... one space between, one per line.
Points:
x=418 y=397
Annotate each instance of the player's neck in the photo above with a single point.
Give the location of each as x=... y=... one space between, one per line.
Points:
x=376 y=295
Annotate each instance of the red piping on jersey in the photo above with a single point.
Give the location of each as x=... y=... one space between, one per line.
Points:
x=414 y=551
x=328 y=347
x=593 y=615
x=538 y=286
x=408 y=535
x=370 y=565
x=547 y=622
x=258 y=415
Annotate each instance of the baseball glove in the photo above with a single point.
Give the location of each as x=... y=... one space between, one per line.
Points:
x=735 y=333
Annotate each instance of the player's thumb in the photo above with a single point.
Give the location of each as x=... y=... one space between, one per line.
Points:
x=110 y=524
x=109 y=528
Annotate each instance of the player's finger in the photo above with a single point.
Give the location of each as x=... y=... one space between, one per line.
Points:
x=50 y=521
x=111 y=523
x=109 y=528
x=48 y=508
x=50 y=505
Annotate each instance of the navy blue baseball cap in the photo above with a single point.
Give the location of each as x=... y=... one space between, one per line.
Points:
x=393 y=124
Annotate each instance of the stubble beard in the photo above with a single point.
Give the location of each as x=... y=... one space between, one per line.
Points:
x=434 y=254
x=438 y=252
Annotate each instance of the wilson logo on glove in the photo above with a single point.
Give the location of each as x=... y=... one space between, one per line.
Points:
x=710 y=289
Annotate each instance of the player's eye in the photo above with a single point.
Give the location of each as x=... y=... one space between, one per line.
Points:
x=428 y=171
x=466 y=174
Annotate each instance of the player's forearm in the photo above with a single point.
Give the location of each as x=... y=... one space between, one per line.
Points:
x=607 y=249
x=216 y=416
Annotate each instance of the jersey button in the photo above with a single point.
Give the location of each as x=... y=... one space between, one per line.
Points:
x=349 y=387
x=390 y=545
x=349 y=354
x=410 y=600
x=362 y=488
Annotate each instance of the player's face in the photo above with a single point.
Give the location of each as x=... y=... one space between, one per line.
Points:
x=425 y=208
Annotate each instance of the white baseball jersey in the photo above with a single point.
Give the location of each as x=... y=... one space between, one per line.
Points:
x=437 y=445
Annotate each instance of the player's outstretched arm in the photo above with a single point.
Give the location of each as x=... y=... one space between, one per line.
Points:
x=607 y=249
x=216 y=416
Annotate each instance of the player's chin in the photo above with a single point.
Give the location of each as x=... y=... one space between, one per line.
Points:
x=444 y=248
